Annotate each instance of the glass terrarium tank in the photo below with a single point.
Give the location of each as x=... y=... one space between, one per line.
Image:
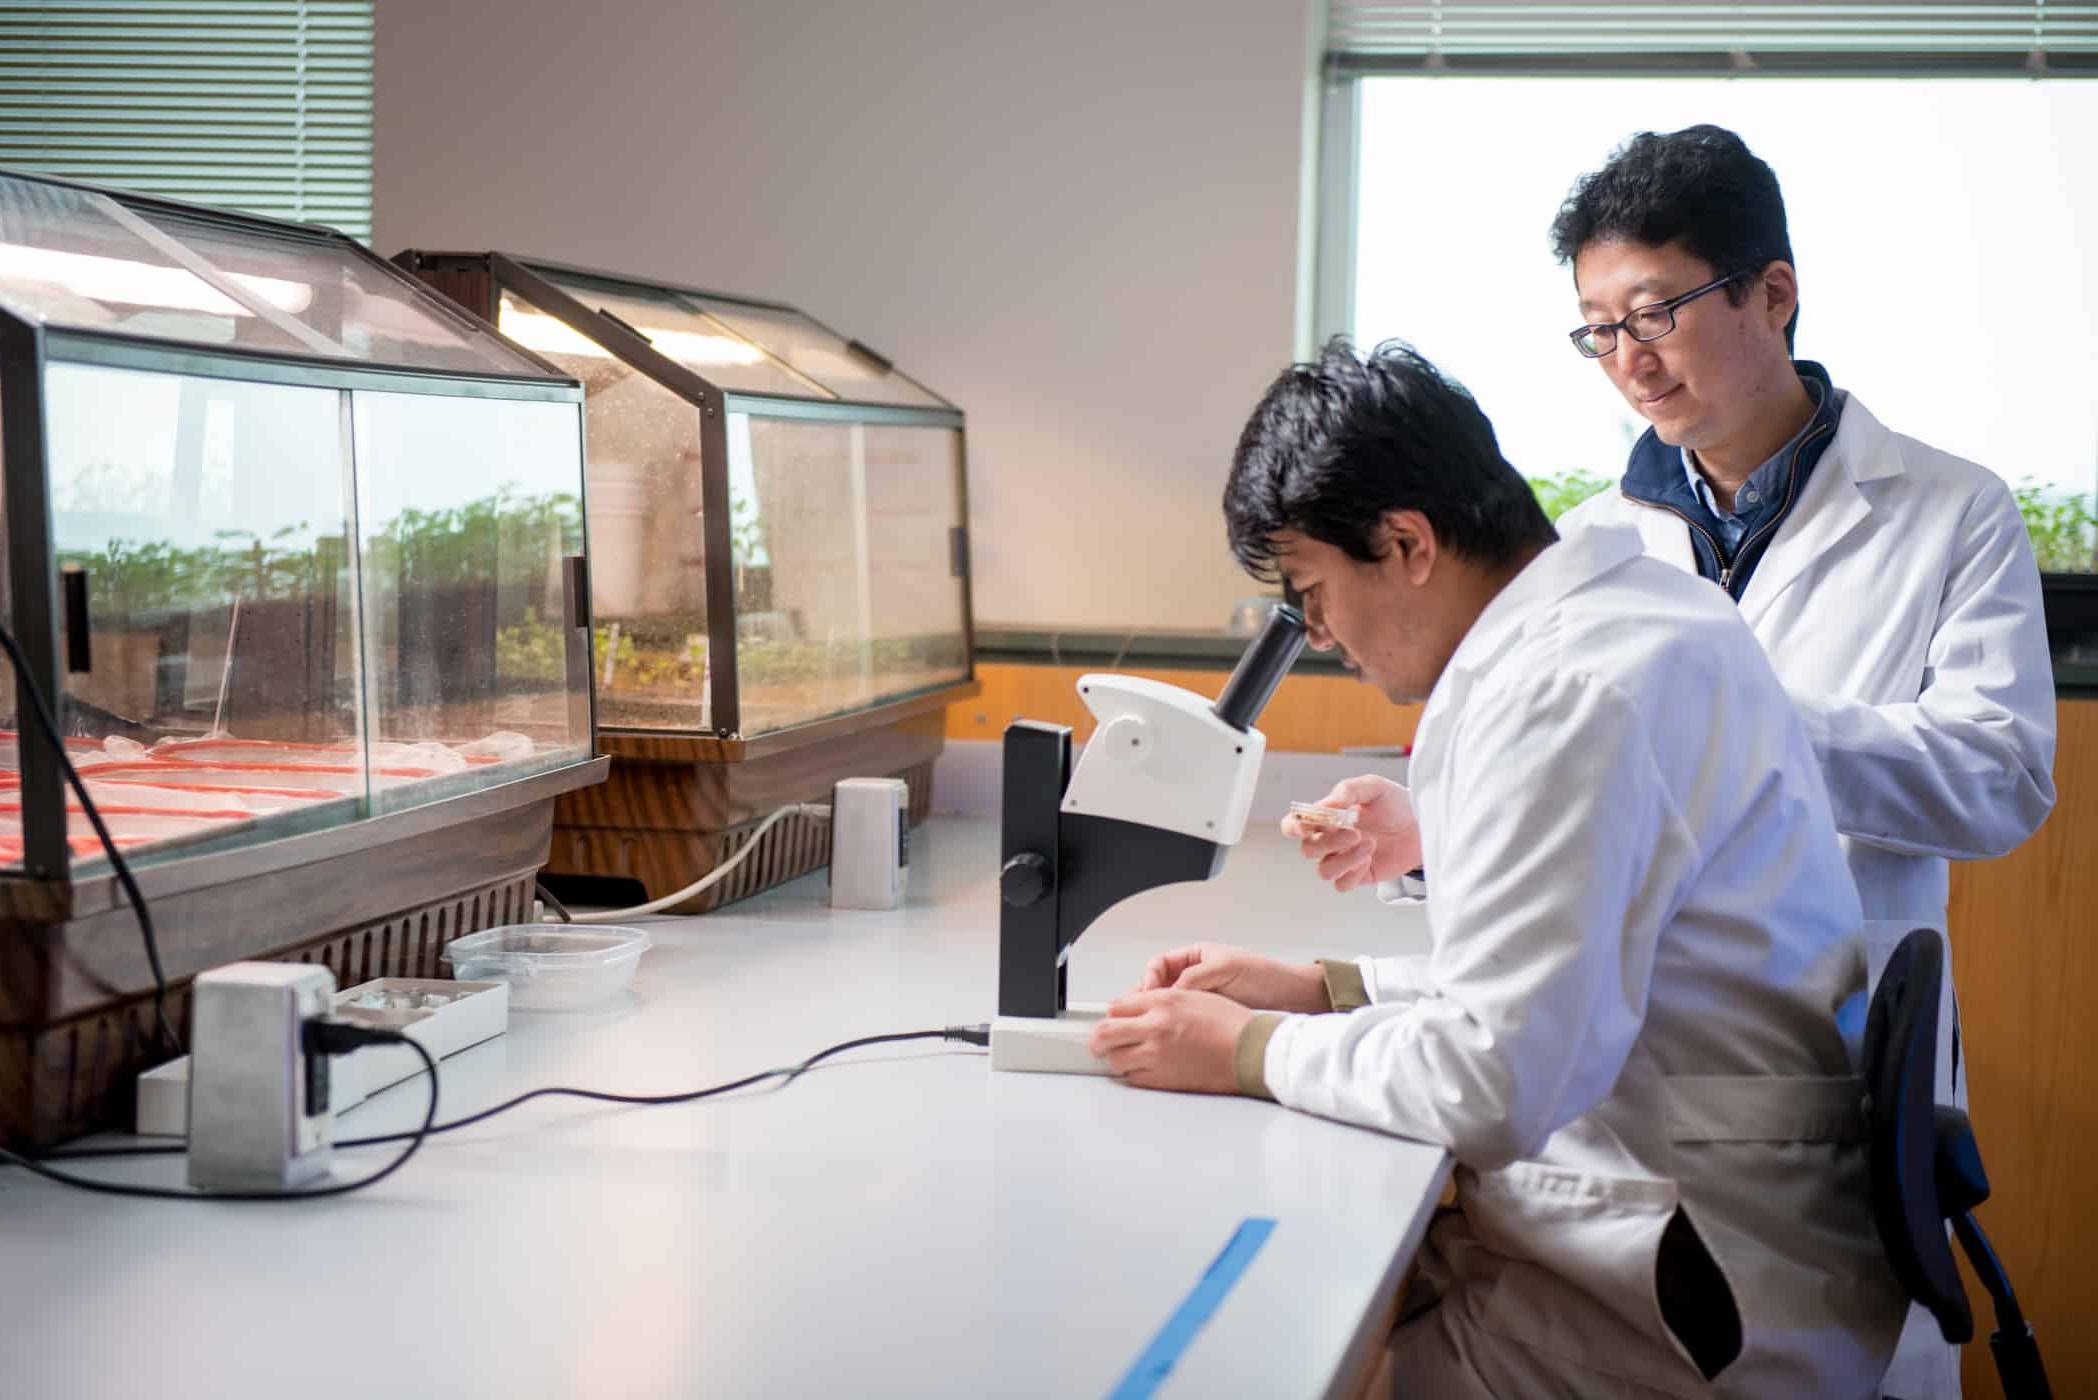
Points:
x=779 y=566
x=293 y=553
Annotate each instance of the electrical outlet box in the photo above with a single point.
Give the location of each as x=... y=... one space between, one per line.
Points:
x=870 y=843
x=258 y=1109
x=443 y=1017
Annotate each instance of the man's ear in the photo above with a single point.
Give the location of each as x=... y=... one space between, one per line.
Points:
x=1411 y=544
x=1779 y=290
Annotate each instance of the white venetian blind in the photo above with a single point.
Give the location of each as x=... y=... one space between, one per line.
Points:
x=1933 y=35
x=259 y=105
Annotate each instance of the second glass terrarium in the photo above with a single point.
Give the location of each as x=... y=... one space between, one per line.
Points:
x=779 y=563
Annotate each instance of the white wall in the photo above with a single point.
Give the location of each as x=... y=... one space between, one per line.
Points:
x=1077 y=220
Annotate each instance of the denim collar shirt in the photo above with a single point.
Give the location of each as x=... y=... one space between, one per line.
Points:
x=1766 y=484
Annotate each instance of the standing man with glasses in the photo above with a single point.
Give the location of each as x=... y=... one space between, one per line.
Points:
x=1892 y=584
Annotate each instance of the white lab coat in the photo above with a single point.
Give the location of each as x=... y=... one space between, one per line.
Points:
x=1901 y=607
x=1640 y=933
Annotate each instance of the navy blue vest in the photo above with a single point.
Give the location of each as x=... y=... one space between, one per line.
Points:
x=1654 y=477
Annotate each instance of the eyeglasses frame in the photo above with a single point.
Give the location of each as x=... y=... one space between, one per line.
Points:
x=1670 y=305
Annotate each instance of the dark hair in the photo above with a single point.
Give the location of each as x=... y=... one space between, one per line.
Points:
x=1700 y=187
x=1336 y=444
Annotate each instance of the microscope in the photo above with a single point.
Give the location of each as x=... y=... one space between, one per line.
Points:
x=1161 y=793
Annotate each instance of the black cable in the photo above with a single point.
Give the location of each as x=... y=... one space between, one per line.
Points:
x=41 y=708
x=342 y=1038
x=552 y=903
x=973 y=1035
x=970 y=1035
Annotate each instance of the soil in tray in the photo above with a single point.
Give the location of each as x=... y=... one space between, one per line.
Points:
x=188 y=790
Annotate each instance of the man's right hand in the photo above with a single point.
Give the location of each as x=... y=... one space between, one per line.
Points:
x=1384 y=843
x=1246 y=978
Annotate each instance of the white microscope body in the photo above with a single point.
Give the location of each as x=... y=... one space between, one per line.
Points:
x=1162 y=758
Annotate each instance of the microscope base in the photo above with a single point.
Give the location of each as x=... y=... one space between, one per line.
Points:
x=1045 y=1046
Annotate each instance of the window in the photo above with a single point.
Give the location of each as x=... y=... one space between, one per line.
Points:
x=1942 y=227
x=258 y=105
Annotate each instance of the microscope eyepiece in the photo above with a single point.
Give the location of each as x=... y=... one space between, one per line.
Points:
x=1262 y=668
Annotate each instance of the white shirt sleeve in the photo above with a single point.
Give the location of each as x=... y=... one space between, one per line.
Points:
x=1544 y=925
x=1394 y=978
x=1966 y=771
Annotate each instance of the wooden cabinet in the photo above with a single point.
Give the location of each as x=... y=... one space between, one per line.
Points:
x=2026 y=965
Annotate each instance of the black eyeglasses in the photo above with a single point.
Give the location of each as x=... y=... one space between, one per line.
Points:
x=1642 y=323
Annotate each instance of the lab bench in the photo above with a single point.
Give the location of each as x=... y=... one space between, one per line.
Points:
x=900 y=1221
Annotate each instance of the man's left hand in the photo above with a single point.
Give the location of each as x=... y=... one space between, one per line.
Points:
x=1169 y=1039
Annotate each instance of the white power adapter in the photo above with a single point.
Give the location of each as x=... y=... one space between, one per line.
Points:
x=870 y=850
x=258 y=1104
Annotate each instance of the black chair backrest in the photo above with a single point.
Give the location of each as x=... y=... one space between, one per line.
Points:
x=1901 y=1044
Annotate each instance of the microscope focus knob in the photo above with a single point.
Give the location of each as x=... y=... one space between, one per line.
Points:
x=1024 y=880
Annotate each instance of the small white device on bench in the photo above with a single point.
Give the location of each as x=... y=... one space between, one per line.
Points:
x=258 y=1104
x=870 y=843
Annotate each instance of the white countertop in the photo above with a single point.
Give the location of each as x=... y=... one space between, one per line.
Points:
x=900 y=1222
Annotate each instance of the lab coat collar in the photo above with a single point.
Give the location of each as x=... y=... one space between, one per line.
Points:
x=1558 y=571
x=1666 y=538
x=1830 y=506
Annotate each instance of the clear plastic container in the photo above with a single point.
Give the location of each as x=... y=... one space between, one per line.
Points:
x=548 y=967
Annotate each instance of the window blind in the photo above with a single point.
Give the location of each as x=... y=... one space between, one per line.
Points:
x=257 y=105
x=1933 y=36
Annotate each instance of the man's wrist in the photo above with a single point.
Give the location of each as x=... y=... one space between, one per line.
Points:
x=1312 y=996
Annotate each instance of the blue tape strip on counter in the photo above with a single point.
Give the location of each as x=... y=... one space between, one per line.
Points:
x=1150 y=1369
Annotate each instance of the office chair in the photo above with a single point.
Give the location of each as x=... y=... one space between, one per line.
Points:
x=1926 y=1167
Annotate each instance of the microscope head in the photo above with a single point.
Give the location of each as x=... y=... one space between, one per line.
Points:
x=1164 y=757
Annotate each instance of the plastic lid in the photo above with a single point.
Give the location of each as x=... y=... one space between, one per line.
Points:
x=548 y=946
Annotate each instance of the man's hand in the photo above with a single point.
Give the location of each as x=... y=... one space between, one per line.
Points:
x=1247 y=978
x=1172 y=1040
x=1384 y=843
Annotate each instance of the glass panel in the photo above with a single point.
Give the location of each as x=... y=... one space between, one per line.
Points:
x=209 y=516
x=913 y=506
x=10 y=740
x=467 y=508
x=698 y=342
x=845 y=595
x=67 y=260
x=359 y=306
x=647 y=548
x=817 y=353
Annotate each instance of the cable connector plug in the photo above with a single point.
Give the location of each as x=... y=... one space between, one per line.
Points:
x=321 y=1040
x=321 y=1037
x=978 y=1034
